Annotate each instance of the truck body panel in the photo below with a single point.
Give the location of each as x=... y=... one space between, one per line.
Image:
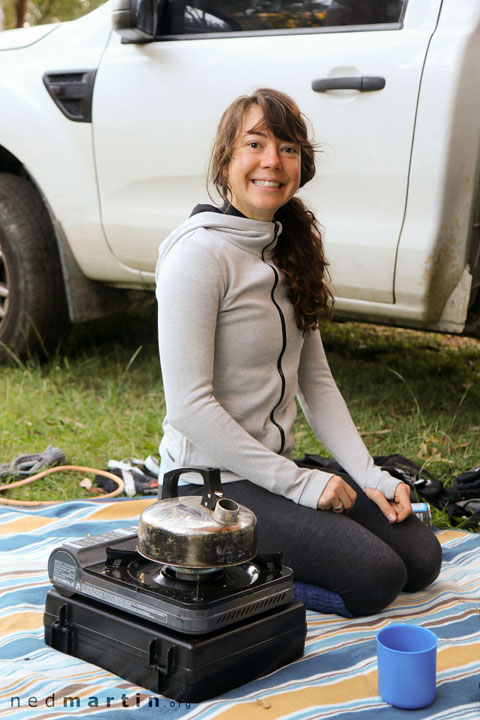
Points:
x=398 y=168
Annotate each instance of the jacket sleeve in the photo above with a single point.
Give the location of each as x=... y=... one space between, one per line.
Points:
x=329 y=417
x=190 y=288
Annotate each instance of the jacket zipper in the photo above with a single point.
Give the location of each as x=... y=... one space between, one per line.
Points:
x=284 y=341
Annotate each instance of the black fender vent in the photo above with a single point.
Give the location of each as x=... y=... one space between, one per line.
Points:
x=72 y=92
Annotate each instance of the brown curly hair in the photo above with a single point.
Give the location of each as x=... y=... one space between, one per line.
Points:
x=299 y=252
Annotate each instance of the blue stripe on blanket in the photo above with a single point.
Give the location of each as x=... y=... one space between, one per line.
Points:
x=336 y=678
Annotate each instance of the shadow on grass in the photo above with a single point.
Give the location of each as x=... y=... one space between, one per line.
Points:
x=122 y=332
x=438 y=369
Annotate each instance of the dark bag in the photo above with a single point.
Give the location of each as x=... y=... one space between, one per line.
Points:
x=461 y=500
x=464 y=495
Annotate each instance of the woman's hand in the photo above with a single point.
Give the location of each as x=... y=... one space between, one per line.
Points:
x=337 y=496
x=395 y=510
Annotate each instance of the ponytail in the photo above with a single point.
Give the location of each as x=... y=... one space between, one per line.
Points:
x=300 y=256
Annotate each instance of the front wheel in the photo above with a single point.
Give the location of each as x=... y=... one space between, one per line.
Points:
x=33 y=307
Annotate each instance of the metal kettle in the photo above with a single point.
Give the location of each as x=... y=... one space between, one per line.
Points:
x=197 y=532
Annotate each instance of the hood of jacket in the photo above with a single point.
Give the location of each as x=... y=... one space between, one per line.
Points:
x=251 y=235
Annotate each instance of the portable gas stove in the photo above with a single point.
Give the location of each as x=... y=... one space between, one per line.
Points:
x=189 y=634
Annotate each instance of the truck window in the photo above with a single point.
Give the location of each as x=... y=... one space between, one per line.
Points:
x=226 y=16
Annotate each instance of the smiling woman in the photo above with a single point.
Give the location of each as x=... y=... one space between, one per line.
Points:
x=241 y=294
x=263 y=139
x=264 y=172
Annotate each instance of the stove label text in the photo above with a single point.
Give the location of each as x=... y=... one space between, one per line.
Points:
x=102 y=539
x=63 y=573
x=122 y=602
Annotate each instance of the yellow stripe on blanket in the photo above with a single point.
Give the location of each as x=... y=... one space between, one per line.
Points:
x=25 y=524
x=121 y=510
x=21 y=621
x=282 y=705
x=457 y=656
x=445 y=536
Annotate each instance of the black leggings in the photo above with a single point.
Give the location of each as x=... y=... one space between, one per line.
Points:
x=360 y=556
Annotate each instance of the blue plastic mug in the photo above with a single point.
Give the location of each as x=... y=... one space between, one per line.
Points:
x=407 y=666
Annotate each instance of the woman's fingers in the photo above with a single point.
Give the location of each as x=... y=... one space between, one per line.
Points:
x=346 y=496
x=394 y=510
x=379 y=499
x=337 y=496
x=402 y=502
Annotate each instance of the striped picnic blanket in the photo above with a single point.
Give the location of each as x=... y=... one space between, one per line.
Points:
x=335 y=679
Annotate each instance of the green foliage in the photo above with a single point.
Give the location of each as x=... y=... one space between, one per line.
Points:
x=40 y=12
x=7 y=13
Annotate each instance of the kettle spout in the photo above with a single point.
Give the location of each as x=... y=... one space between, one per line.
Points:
x=226 y=511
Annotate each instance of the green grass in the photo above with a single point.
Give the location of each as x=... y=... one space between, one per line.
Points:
x=409 y=392
x=100 y=397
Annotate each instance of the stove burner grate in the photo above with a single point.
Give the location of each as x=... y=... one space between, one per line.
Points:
x=190 y=574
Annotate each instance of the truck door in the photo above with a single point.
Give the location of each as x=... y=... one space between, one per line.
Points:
x=354 y=69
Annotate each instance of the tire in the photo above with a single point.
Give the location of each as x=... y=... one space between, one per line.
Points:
x=472 y=326
x=33 y=307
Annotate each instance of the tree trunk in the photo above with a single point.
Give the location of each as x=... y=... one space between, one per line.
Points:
x=20 y=9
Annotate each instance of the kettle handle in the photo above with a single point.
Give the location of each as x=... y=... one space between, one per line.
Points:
x=212 y=484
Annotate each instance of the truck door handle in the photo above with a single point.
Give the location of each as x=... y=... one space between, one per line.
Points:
x=362 y=83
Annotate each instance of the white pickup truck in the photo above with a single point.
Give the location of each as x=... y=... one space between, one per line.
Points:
x=106 y=124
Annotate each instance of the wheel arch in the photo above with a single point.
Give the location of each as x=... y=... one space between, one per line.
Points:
x=9 y=163
x=86 y=299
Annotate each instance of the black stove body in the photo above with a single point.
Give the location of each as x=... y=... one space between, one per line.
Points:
x=188 y=635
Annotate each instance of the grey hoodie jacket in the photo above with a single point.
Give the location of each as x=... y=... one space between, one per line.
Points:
x=233 y=361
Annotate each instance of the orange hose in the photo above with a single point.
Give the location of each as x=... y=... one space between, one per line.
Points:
x=60 y=468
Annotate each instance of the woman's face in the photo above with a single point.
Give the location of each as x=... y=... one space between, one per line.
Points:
x=264 y=172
